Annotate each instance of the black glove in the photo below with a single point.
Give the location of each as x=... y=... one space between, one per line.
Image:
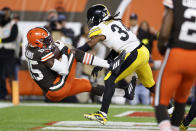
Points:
x=95 y=71
x=64 y=50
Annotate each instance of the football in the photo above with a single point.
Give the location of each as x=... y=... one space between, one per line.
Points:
x=57 y=53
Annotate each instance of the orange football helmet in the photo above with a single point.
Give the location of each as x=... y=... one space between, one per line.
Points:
x=39 y=37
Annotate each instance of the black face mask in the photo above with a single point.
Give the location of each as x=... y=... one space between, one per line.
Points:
x=47 y=41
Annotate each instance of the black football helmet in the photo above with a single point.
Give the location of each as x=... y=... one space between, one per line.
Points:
x=96 y=14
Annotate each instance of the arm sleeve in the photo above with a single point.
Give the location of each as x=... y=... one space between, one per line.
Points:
x=61 y=67
x=13 y=34
x=94 y=31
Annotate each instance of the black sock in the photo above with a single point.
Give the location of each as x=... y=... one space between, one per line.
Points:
x=191 y=115
x=178 y=113
x=161 y=113
x=108 y=93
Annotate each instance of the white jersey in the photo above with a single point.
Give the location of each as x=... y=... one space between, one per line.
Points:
x=117 y=36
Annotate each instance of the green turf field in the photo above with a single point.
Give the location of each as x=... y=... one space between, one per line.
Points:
x=28 y=116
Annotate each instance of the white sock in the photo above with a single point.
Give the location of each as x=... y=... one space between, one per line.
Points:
x=175 y=128
x=90 y=59
x=165 y=125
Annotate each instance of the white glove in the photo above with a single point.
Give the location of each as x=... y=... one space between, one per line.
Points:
x=59 y=44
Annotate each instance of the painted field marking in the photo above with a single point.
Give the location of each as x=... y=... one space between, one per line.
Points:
x=95 y=126
x=88 y=129
x=4 y=105
x=124 y=114
x=85 y=105
x=136 y=114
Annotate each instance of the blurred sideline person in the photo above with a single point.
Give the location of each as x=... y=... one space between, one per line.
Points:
x=134 y=23
x=177 y=40
x=18 y=49
x=190 y=116
x=57 y=27
x=146 y=37
x=52 y=66
x=109 y=30
x=8 y=44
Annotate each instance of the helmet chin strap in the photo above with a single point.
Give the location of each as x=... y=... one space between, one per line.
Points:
x=105 y=18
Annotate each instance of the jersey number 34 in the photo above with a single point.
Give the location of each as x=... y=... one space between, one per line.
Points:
x=123 y=33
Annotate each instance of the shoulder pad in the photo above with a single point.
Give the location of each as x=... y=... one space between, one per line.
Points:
x=47 y=56
x=39 y=54
x=94 y=31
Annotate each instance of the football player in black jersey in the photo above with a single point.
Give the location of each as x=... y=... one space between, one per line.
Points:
x=54 y=73
x=177 y=40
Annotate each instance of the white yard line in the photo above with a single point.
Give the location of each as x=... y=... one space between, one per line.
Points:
x=86 y=105
x=5 y=105
x=124 y=113
x=110 y=126
x=88 y=129
x=95 y=126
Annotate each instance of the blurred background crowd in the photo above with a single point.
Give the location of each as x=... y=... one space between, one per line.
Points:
x=66 y=20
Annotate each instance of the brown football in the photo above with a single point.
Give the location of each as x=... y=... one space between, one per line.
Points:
x=57 y=53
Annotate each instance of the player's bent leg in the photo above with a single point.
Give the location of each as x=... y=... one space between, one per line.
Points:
x=132 y=61
x=59 y=94
x=79 y=86
x=180 y=98
x=84 y=85
x=101 y=116
x=145 y=76
x=169 y=80
x=61 y=89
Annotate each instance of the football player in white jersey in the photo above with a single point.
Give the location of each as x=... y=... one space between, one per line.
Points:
x=110 y=31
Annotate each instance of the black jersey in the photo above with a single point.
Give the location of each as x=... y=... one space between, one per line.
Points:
x=183 y=33
x=40 y=73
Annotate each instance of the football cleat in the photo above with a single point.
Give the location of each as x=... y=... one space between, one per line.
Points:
x=115 y=65
x=183 y=127
x=130 y=91
x=97 y=116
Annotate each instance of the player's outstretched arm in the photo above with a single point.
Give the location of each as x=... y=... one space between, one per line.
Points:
x=165 y=30
x=92 y=42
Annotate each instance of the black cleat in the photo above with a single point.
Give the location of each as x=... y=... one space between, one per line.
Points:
x=130 y=90
x=115 y=65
